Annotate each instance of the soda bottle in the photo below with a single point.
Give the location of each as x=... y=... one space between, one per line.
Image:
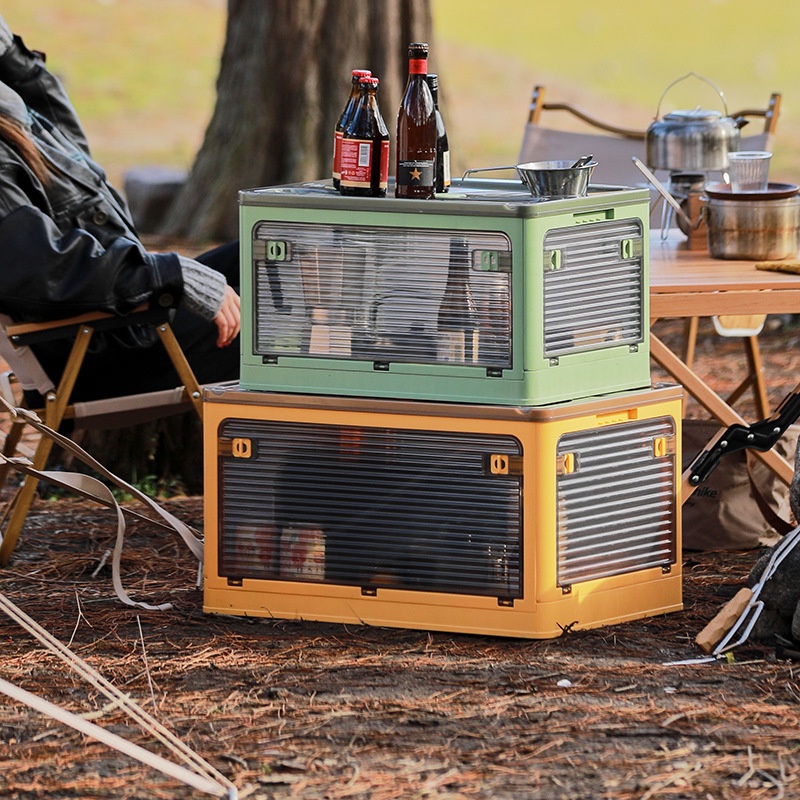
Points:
x=365 y=147
x=416 y=131
x=442 y=145
x=341 y=124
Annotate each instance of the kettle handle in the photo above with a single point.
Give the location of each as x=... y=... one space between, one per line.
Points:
x=699 y=77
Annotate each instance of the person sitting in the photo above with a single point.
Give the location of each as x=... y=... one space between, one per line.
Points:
x=68 y=245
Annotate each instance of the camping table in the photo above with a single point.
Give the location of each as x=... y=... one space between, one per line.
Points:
x=689 y=283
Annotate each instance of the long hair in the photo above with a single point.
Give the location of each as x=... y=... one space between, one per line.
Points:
x=15 y=135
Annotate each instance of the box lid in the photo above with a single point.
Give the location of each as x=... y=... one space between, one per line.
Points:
x=470 y=196
x=232 y=393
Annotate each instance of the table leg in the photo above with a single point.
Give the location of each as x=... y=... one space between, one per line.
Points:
x=756 y=370
x=691 y=326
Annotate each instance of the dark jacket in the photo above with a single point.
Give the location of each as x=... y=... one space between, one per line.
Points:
x=70 y=246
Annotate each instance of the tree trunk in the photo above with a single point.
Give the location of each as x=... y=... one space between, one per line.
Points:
x=283 y=81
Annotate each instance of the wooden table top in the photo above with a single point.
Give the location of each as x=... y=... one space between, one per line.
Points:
x=686 y=283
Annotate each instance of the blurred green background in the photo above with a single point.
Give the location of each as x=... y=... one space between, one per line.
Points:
x=142 y=72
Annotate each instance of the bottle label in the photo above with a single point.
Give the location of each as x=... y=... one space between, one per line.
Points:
x=356 y=163
x=384 y=174
x=458 y=346
x=446 y=171
x=302 y=553
x=418 y=66
x=337 y=155
x=415 y=173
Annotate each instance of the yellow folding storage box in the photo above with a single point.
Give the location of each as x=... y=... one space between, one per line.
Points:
x=486 y=519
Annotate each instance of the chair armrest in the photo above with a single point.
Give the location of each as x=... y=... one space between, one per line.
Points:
x=627 y=133
x=769 y=114
x=538 y=104
x=26 y=333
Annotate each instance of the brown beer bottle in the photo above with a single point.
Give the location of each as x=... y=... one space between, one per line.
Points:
x=365 y=147
x=341 y=124
x=442 y=144
x=416 y=131
x=457 y=324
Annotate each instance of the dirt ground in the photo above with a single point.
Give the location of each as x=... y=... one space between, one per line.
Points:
x=290 y=709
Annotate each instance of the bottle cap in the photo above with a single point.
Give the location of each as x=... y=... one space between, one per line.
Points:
x=433 y=80
x=361 y=73
x=418 y=50
x=369 y=80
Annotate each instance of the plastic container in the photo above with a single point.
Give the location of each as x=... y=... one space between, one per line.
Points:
x=749 y=170
x=488 y=520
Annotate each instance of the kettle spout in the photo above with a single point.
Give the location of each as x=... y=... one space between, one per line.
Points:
x=740 y=122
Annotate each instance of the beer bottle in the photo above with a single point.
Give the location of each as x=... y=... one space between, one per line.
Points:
x=365 y=147
x=416 y=131
x=442 y=145
x=341 y=124
x=457 y=324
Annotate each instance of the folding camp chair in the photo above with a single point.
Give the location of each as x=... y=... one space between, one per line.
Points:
x=612 y=146
x=26 y=371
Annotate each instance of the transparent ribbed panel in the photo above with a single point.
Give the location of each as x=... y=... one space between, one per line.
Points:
x=376 y=508
x=594 y=298
x=379 y=294
x=616 y=511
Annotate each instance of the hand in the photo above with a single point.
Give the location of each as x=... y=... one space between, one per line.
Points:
x=228 y=319
x=6 y=37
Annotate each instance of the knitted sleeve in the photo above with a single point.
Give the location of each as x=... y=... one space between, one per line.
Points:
x=203 y=288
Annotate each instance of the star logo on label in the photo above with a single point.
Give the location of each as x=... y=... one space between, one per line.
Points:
x=416 y=174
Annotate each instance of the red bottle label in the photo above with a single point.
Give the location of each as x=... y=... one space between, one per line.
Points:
x=356 y=163
x=417 y=66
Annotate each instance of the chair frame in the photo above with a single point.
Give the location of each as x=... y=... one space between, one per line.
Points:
x=57 y=405
x=538 y=104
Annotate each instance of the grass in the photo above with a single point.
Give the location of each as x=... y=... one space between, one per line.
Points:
x=629 y=50
x=615 y=59
x=142 y=72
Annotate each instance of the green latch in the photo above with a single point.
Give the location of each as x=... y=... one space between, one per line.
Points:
x=552 y=260
x=491 y=260
x=630 y=248
x=272 y=250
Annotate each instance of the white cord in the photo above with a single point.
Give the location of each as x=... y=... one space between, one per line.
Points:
x=112 y=740
x=91 y=675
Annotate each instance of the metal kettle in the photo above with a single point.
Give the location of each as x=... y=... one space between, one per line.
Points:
x=696 y=140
